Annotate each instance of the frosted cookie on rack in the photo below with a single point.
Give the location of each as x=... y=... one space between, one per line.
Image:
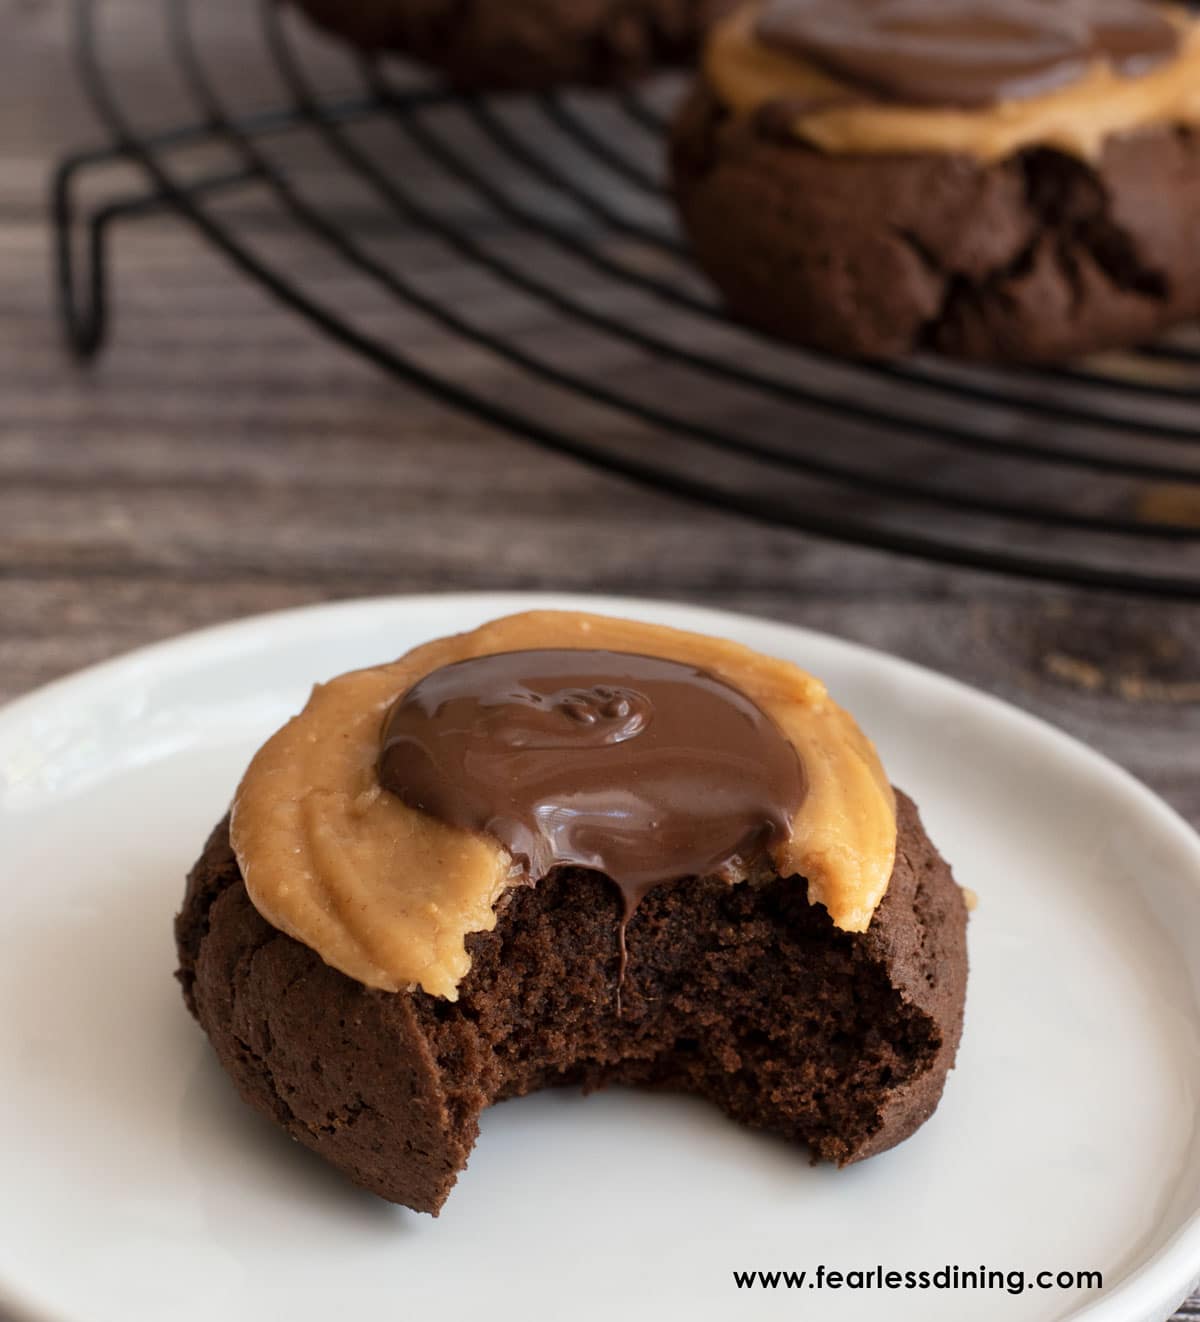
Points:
x=991 y=179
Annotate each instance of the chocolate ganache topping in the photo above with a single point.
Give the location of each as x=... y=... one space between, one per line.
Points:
x=967 y=52
x=643 y=768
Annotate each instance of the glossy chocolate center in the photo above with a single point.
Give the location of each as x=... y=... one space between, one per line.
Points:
x=967 y=52
x=645 y=769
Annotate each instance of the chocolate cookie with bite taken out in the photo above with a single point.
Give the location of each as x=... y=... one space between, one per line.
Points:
x=570 y=850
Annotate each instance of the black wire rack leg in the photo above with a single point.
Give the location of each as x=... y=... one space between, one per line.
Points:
x=82 y=295
x=81 y=265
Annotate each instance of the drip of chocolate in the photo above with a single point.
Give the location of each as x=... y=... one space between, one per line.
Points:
x=967 y=53
x=644 y=769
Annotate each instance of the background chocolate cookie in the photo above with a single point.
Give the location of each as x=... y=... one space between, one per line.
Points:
x=845 y=185
x=744 y=994
x=525 y=43
x=1035 y=258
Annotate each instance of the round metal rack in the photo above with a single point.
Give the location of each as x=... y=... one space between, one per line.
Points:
x=518 y=258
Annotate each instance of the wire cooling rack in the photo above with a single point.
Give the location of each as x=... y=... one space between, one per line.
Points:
x=518 y=258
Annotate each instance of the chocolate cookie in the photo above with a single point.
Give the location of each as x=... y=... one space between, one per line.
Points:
x=1040 y=257
x=525 y=44
x=744 y=994
x=1036 y=253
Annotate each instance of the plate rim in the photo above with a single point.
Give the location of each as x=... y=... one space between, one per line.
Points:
x=1171 y=1273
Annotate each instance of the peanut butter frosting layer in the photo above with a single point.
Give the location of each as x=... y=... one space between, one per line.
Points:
x=387 y=892
x=1101 y=100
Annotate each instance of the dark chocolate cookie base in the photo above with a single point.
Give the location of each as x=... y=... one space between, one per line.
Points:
x=1037 y=258
x=525 y=44
x=746 y=995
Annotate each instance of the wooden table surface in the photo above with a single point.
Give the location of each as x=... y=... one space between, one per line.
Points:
x=221 y=459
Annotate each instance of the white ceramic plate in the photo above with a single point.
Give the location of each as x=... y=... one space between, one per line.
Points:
x=135 y=1187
